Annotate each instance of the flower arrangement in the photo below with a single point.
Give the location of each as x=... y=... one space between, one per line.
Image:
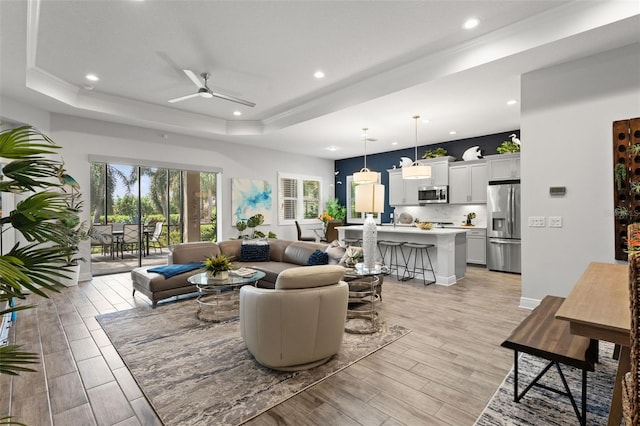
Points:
x=325 y=217
x=216 y=265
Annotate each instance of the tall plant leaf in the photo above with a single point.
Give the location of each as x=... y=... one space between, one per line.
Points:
x=13 y=360
x=25 y=142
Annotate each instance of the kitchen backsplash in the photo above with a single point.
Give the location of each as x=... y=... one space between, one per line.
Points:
x=455 y=213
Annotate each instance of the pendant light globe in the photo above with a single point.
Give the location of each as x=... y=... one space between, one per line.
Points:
x=416 y=170
x=365 y=175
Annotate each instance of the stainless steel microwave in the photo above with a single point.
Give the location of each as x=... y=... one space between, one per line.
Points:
x=433 y=194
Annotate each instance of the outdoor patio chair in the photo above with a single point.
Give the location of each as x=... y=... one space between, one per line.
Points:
x=155 y=237
x=102 y=236
x=130 y=237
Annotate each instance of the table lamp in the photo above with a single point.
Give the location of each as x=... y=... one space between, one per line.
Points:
x=369 y=200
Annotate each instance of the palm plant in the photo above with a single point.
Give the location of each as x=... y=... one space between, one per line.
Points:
x=37 y=265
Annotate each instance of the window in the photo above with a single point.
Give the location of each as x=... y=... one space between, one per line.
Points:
x=298 y=198
x=354 y=216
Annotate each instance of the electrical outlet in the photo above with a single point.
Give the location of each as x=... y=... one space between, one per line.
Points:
x=555 y=221
x=537 y=221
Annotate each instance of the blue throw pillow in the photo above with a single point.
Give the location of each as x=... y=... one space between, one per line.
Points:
x=318 y=257
x=254 y=253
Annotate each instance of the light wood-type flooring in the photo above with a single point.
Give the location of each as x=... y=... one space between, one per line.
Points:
x=442 y=373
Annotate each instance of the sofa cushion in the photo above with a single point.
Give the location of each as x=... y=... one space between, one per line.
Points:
x=298 y=252
x=309 y=276
x=277 y=248
x=231 y=249
x=254 y=253
x=193 y=252
x=318 y=257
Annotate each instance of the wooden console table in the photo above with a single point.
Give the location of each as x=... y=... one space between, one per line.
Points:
x=598 y=308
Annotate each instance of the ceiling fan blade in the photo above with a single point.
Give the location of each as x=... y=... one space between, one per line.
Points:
x=233 y=99
x=182 y=98
x=193 y=78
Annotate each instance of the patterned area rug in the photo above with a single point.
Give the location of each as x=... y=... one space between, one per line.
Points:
x=543 y=407
x=198 y=373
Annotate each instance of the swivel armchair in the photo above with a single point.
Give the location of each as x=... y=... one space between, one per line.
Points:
x=299 y=324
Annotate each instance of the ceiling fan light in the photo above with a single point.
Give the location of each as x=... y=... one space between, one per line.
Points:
x=416 y=171
x=365 y=176
x=206 y=95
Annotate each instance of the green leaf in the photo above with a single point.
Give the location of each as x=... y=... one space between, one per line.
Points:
x=12 y=360
x=25 y=142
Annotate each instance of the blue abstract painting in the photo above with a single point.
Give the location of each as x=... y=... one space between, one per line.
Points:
x=250 y=197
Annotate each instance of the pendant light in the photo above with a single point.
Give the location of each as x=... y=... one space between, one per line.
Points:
x=365 y=175
x=415 y=170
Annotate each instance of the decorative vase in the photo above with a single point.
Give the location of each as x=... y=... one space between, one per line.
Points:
x=369 y=236
x=468 y=222
x=220 y=276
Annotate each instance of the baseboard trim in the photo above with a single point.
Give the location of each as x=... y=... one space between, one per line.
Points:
x=528 y=303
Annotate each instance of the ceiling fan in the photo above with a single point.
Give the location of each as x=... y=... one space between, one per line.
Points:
x=205 y=92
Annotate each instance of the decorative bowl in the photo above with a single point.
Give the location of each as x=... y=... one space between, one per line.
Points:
x=425 y=225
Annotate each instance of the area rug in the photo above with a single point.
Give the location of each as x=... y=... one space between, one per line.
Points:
x=543 y=407
x=198 y=373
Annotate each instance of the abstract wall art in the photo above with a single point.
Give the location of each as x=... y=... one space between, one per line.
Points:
x=250 y=197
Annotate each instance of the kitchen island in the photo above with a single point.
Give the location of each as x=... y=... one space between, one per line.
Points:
x=450 y=262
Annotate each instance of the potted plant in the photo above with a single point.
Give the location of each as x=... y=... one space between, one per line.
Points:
x=253 y=222
x=435 y=153
x=470 y=216
x=218 y=267
x=336 y=210
x=353 y=254
x=35 y=263
x=75 y=231
x=508 y=147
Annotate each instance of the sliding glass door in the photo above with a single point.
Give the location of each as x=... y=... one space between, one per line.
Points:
x=138 y=212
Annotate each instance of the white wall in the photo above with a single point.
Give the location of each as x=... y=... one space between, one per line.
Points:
x=566 y=131
x=81 y=137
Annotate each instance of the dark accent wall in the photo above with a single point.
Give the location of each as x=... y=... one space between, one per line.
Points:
x=386 y=160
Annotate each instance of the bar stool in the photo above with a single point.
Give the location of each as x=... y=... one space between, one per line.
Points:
x=352 y=242
x=415 y=249
x=392 y=247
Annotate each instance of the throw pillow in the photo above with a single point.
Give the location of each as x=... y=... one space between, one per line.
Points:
x=254 y=253
x=335 y=251
x=318 y=257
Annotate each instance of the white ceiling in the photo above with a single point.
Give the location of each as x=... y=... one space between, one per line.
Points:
x=384 y=62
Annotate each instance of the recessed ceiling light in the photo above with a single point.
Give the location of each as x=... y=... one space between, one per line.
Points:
x=91 y=77
x=512 y=102
x=332 y=148
x=237 y=113
x=453 y=132
x=318 y=74
x=470 y=23
x=394 y=143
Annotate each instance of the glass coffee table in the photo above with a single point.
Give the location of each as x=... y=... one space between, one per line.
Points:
x=362 y=317
x=219 y=300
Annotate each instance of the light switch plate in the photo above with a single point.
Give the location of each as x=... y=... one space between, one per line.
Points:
x=555 y=221
x=537 y=221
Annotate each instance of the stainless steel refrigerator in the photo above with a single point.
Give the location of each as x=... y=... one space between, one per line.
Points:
x=503 y=226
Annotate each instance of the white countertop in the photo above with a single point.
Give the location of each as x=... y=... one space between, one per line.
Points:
x=407 y=230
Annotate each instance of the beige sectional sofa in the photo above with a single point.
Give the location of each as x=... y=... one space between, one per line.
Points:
x=283 y=254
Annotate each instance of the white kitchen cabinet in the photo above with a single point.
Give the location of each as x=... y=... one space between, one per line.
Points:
x=468 y=182
x=503 y=166
x=477 y=246
x=402 y=192
x=439 y=171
